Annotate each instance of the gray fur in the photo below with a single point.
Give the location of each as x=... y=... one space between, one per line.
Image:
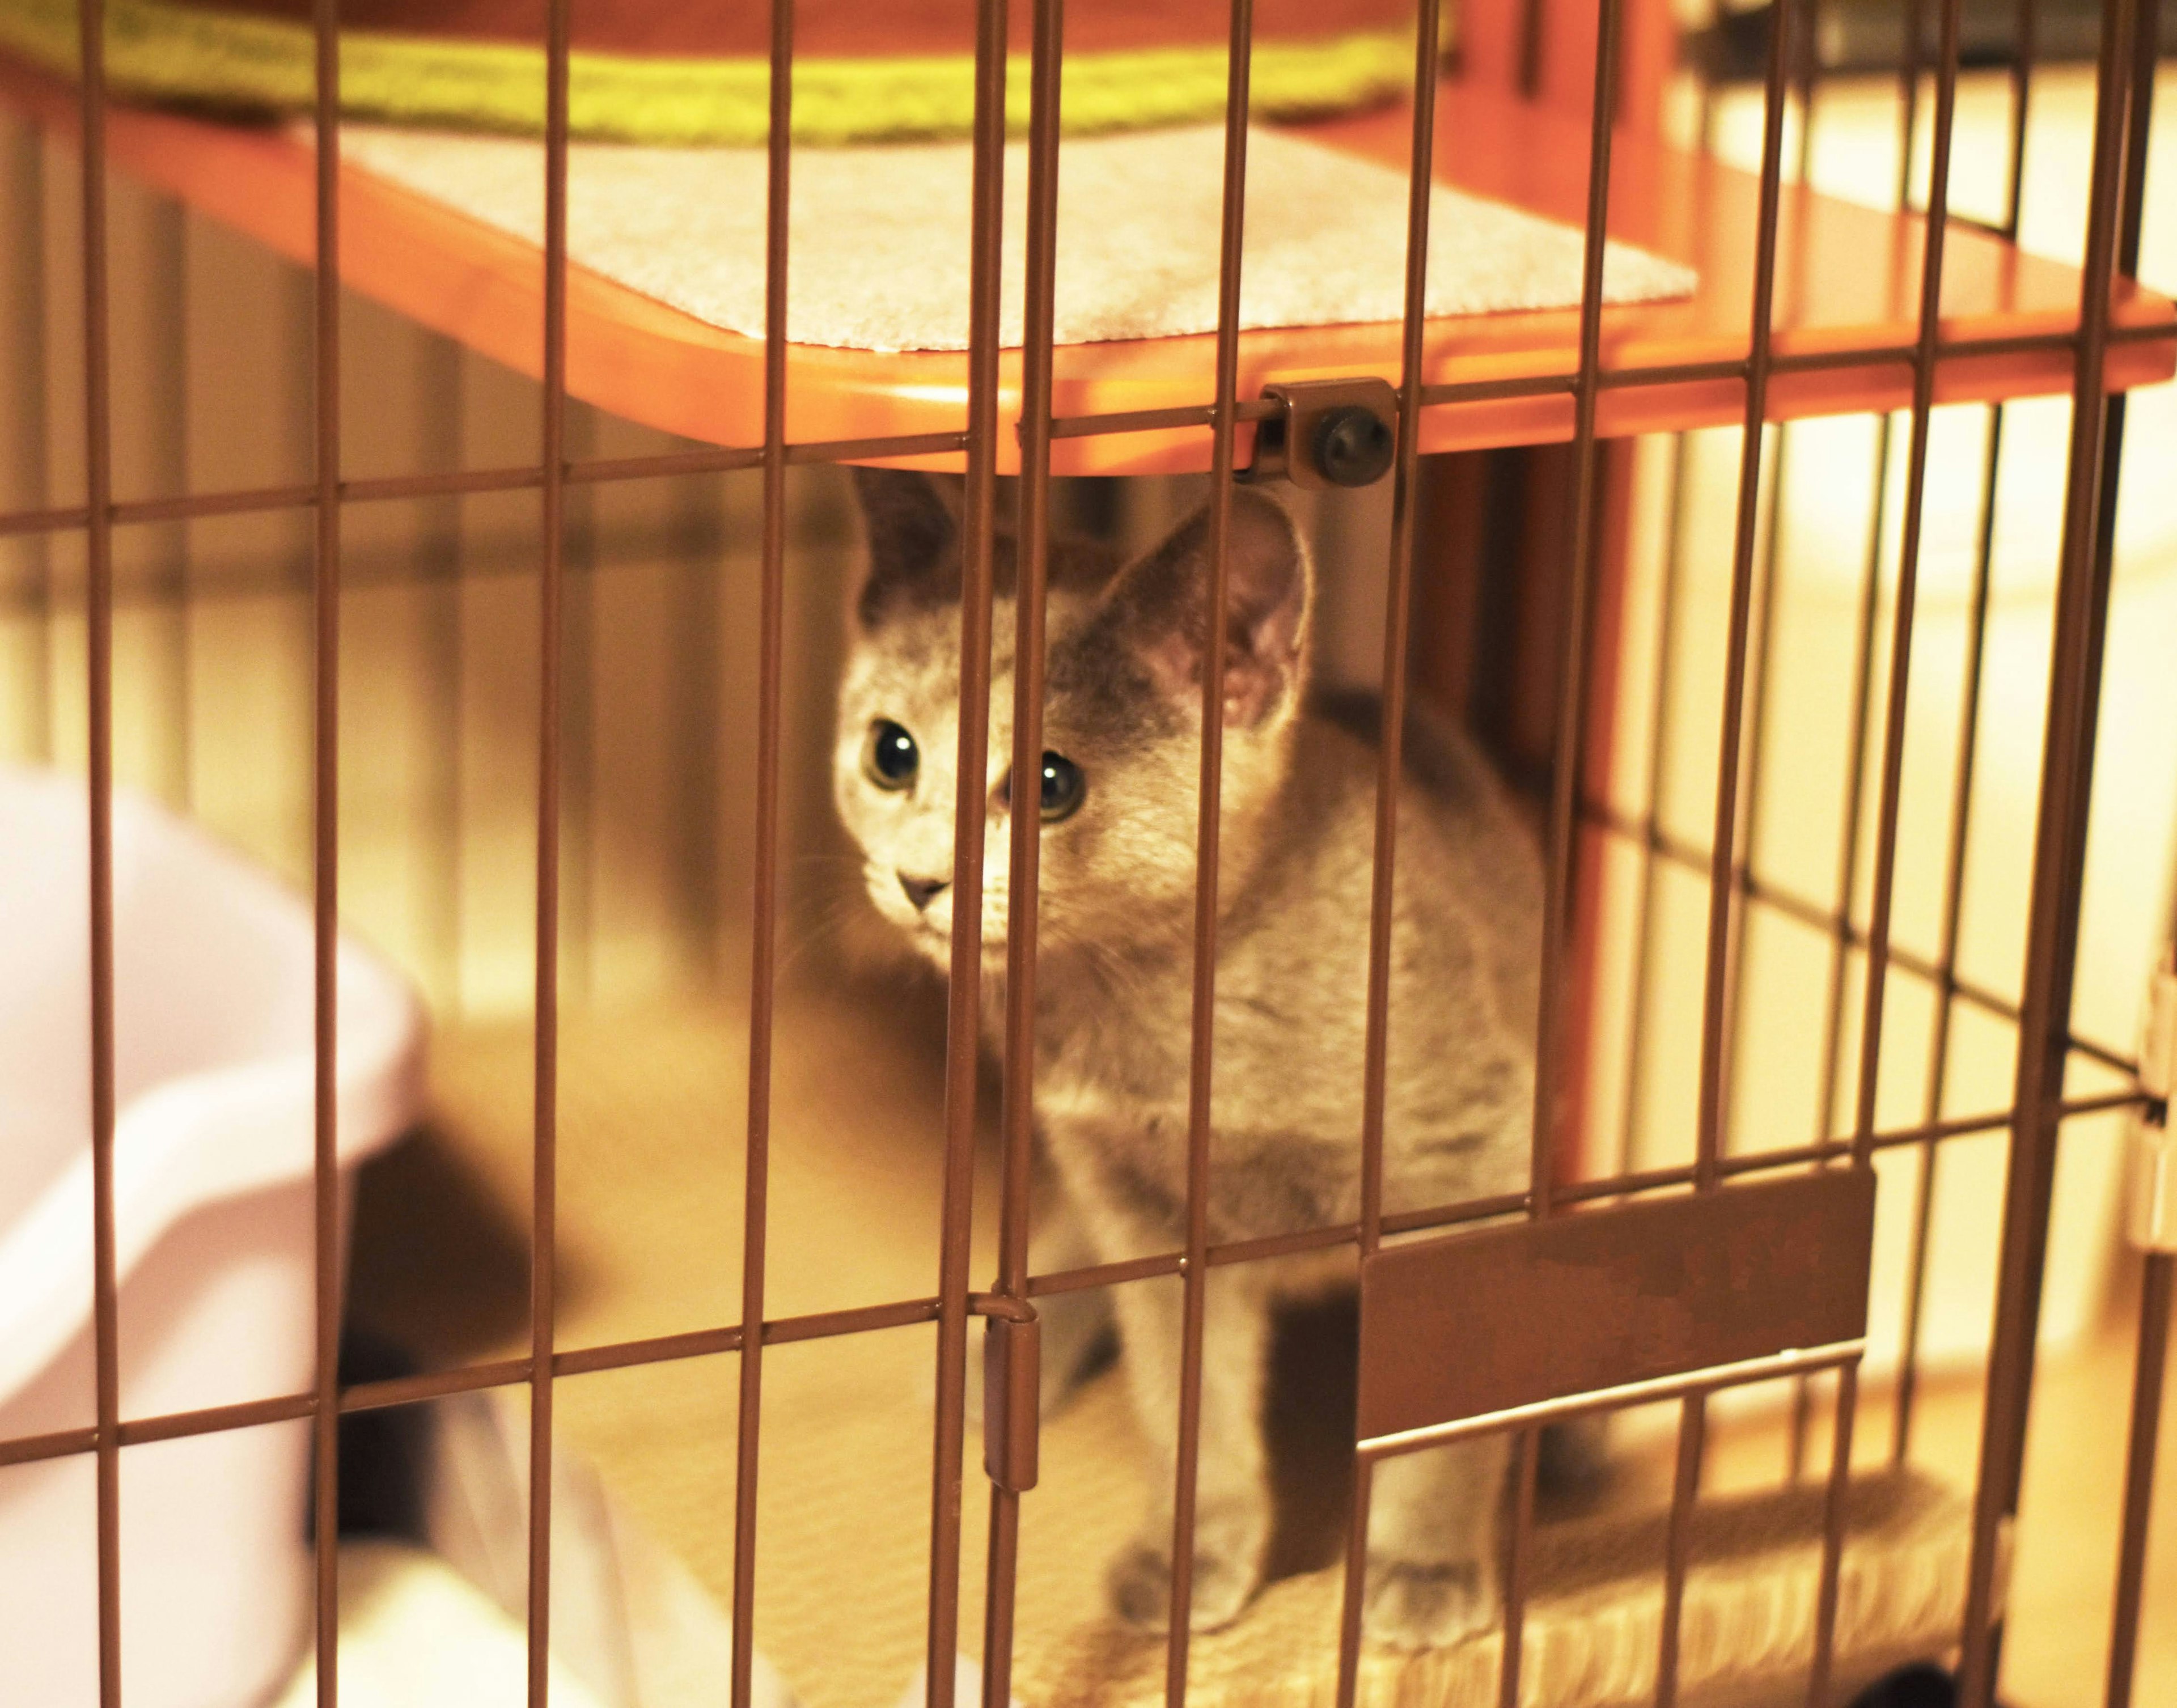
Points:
x=1113 y=990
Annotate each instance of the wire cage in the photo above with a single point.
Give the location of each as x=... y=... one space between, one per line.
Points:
x=1685 y=971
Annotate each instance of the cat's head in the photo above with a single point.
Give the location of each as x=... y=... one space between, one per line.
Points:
x=1122 y=717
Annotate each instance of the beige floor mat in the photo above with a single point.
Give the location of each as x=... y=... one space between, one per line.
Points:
x=652 y=1114
x=880 y=235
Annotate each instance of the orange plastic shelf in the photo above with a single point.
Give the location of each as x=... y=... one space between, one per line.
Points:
x=1847 y=278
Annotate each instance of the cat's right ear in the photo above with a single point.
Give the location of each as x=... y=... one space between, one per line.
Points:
x=913 y=539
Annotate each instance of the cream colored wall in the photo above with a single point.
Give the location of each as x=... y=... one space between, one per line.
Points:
x=1794 y=824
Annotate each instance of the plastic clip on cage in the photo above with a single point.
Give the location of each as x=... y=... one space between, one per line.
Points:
x=213 y=1219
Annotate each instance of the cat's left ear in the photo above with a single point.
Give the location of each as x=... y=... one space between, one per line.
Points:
x=913 y=529
x=1160 y=603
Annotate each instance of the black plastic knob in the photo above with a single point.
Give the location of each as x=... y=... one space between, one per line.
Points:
x=1353 y=446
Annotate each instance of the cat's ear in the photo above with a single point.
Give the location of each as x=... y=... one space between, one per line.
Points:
x=1160 y=602
x=913 y=529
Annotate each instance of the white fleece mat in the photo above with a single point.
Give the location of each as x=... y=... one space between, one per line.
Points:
x=880 y=235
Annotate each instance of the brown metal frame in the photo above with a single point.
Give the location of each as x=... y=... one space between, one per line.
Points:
x=2042 y=1017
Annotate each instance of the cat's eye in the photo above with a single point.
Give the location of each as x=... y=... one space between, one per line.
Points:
x=890 y=757
x=1063 y=787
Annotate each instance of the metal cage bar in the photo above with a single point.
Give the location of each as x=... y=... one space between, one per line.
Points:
x=1954 y=869
x=963 y=1017
x=257 y=500
x=544 y=1191
x=2059 y=859
x=98 y=543
x=1210 y=792
x=1563 y=848
x=1398 y=604
x=325 y=1181
x=764 y=910
x=1709 y=1131
x=1397 y=615
x=1032 y=563
x=702 y=1343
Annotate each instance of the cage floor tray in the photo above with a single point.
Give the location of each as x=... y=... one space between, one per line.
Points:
x=1847 y=286
x=650 y=1113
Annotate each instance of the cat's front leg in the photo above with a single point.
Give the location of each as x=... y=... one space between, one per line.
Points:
x=1434 y=1523
x=1232 y=1493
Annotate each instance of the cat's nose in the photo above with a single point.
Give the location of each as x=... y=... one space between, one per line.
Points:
x=922 y=891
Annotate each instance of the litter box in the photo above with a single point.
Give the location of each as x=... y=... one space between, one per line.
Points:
x=213 y=1222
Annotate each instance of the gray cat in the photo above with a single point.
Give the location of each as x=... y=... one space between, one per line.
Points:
x=1118 y=800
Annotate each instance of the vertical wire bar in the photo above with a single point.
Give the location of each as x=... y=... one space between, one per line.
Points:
x=1708 y=1140
x=1659 y=746
x=1399 y=602
x=1032 y=559
x=1526 y=1463
x=544 y=1189
x=1032 y=550
x=2059 y=852
x=1834 y=1518
x=1557 y=901
x=1894 y=712
x=964 y=991
x=1420 y=173
x=2161 y=1266
x=1356 y=1584
x=1209 y=790
x=763 y=947
x=1925 y=1175
x=98 y=544
x=1760 y=686
x=2139 y=1473
x=1708 y=1136
x=1863 y=669
x=1685 y=1489
x=1862 y=658
x=1563 y=852
x=2024 y=51
x=1908 y=567
x=324 y=1177
x=1805 y=72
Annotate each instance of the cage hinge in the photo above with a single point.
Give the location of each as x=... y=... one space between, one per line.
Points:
x=2153 y=1148
x=2158 y=1040
x=1330 y=432
x=2153 y=1185
x=1012 y=1384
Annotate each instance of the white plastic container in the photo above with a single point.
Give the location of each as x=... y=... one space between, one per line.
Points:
x=213 y=1223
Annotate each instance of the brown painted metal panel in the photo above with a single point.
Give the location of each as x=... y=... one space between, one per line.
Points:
x=1473 y=1323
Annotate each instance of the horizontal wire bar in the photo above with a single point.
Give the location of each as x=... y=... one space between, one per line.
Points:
x=1757 y=889
x=1122 y=421
x=1578 y=1191
x=722 y=459
x=506 y=1372
x=1796 y=1361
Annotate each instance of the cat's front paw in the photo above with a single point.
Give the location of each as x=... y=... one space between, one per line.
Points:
x=1141 y=1586
x=1427 y=1604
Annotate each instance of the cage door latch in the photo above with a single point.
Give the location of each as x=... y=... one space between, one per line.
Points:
x=2153 y=1149
x=1330 y=432
x=1013 y=1382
